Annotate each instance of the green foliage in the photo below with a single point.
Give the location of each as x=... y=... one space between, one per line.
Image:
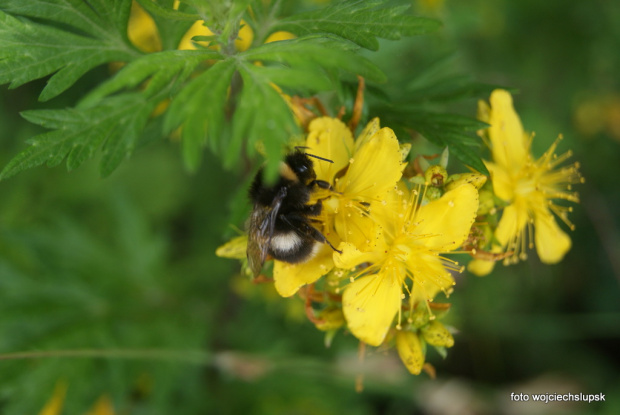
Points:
x=417 y=107
x=360 y=21
x=93 y=34
x=116 y=124
x=63 y=272
x=127 y=263
x=227 y=100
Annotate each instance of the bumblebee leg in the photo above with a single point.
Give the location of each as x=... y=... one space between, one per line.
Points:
x=318 y=236
x=306 y=229
x=322 y=184
x=314 y=210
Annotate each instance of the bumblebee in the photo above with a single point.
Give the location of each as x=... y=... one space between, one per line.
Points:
x=281 y=221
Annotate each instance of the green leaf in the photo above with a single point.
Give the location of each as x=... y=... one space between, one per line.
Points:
x=304 y=80
x=115 y=124
x=360 y=21
x=444 y=130
x=66 y=287
x=157 y=10
x=453 y=131
x=161 y=67
x=272 y=126
x=199 y=108
x=442 y=351
x=102 y=19
x=326 y=52
x=438 y=83
x=30 y=51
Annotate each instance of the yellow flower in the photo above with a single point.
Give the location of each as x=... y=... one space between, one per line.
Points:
x=529 y=187
x=407 y=246
x=373 y=167
x=369 y=168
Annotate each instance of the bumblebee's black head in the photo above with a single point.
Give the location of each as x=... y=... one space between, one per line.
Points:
x=301 y=166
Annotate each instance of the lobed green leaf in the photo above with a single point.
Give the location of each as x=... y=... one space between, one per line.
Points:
x=360 y=21
x=157 y=10
x=115 y=123
x=200 y=109
x=445 y=130
x=30 y=51
x=272 y=126
x=304 y=80
x=453 y=131
x=160 y=68
x=102 y=19
x=328 y=53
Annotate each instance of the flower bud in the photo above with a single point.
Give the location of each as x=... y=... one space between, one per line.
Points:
x=436 y=334
x=435 y=175
x=410 y=351
x=455 y=180
x=486 y=202
x=330 y=319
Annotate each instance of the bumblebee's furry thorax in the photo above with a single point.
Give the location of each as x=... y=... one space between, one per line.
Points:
x=281 y=223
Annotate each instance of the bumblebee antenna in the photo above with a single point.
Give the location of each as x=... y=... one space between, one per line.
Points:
x=312 y=155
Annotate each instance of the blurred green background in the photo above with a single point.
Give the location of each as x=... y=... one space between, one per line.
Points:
x=128 y=262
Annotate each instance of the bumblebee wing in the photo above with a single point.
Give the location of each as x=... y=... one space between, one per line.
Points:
x=275 y=210
x=258 y=240
x=262 y=226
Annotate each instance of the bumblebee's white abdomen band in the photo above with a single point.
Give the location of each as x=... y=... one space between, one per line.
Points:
x=285 y=242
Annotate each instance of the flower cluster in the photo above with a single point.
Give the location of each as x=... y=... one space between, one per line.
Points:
x=394 y=225
x=392 y=234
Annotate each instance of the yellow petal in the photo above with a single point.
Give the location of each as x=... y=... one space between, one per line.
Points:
x=352 y=225
x=503 y=186
x=288 y=278
x=103 y=406
x=235 y=248
x=279 y=35
x=410 y=351
x=370 y=304
x=142 y=30
x=56 y=402
x=513 y=221
x=484 y=111
x=447 y=220
x=245 y=37
x=351 y=256
x=375 y=168
x=480 y=267
x=552 y=243
x=508 y=143
x=329 y=138
x=197 y=29
x=392 y=209
x=367 y=133
x=430 y=276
